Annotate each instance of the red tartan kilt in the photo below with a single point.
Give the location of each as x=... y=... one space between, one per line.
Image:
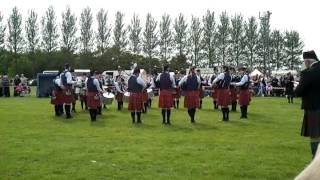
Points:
x=191 y=99
x=145 y=96
x=244 y=97
x=224 y=98
x=215 y=94
x=119 y=97
x=135 y=102
x=201 y=93
x=83 y=98
x=234 y=94
x=93 y=100
x=176 y=93
x=57 y=97
x=165 y=99
x=68 y=96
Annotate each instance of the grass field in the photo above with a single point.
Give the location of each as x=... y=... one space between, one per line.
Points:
x=34 y=144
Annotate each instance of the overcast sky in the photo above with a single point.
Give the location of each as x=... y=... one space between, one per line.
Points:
x=299 y=15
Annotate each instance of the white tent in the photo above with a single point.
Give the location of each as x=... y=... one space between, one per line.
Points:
x=283 y=72
x=255 y=72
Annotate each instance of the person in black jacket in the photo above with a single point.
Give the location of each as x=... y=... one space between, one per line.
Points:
x=289 y=84
x=309 y=90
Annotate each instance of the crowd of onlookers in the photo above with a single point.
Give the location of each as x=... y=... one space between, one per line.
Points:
x=19 y=83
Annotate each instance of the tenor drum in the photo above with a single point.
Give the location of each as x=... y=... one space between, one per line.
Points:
x=107 y=98
x=126 y=97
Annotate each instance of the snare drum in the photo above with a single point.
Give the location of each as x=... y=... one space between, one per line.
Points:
x=107 y=98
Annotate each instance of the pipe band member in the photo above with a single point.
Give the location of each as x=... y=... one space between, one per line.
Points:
x=234 y=89
x=135 y=87
x=191 y=84
x=309 y=90
x=201 y=91
x=166 y=86
x=244 y=95
x=120 y=88
x=57 y=96
x=93 y=94
x=224 y=100
x=68 y=98
x=177 y=91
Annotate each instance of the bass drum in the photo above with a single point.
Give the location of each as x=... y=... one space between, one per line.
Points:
x=107 y=98
x=126 y=97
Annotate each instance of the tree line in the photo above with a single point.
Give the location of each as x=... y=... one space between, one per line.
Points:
x=36 y=44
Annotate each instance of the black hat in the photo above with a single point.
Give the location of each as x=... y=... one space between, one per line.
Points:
x=242 y=67
x=136 y=70
x=66 y=66
x=310 y=55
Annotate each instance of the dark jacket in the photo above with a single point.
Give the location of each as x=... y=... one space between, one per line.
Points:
x=309 y=87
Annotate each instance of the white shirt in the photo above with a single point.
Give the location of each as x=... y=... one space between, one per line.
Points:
x=185 y=78
x=173 y=84
x=141 y=82
x=210 y=82
x=57 y=81
x=219 y=77
x=116 y=84
x=244 y=79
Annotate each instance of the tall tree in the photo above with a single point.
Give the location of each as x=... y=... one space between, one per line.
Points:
x=2 y=32
x=293 y=49
x=15 y=38
x=237 y=40
x=223 y=37
x=69 y=30
x=264 y=43
x=165 y=37
x=119 y=33
x=251 y=40
x=86 y=37
x=49 y=30
x=32 y=31
x=180 y=35
x=277 y=55
x=150 y=39
x=209 y=40
x=195 y=39
x=134 y=36
x=104 y=30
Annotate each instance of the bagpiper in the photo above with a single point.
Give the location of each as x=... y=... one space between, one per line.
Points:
x=234 y=89
x=93 y=94
x=223 y=82
x=191 y=84
x=244 y=94
x=66 y=81
x=120 y=89
x=201 y=91
x=309 y=90
x=57 y=96
x=166 y=86
x=135 y=87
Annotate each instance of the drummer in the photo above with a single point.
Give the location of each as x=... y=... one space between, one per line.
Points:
x=166 y=85
x=177 y=92
x=93 y=94
x=201 y=92
x=135 y=87
x=57 y=95
x=83 y=95
x=66 y=82
x=120 y=88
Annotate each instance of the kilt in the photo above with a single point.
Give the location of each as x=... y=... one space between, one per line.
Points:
x=234 y=94
x=56 y=97
x=165 y=99
x=119 y=97
x=201 y=93
x=93 y=100
x=224 y=98
x=191 y=99
x=145 y=96
x=176 y=93
x=83 y=98
x=215 y=94
x=68 y=96
x=311 y=123
x=135 y=102
x=244 y=97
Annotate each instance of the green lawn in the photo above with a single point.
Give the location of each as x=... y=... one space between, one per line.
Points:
x=34 y=144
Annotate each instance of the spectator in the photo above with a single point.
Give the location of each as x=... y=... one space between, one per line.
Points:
x=6 y=86
x=16 y=83
x=1 y=87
